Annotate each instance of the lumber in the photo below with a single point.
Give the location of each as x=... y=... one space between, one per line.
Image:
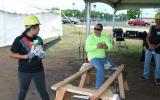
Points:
x=121 y=85
x=84 y=91
x=60 y=94
x=83 y=79
x=107 y=83
x=87 y=67
x=126 y=87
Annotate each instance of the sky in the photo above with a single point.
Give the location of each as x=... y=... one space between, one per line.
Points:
x=68 y=4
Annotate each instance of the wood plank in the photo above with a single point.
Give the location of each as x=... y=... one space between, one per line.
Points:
x=79 y=90
x=83 y=79
x=87 y=67
x=60 y=94
x=67 y=96
x=126 y=87
x=107 y=83
x=84 y=91
x=121 y=86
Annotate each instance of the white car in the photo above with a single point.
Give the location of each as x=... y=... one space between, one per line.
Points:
x=153 y=23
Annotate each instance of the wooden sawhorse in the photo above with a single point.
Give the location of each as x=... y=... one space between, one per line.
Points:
x=64 y=89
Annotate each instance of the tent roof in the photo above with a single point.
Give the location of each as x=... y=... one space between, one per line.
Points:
x=19 y=8
x=125 y=4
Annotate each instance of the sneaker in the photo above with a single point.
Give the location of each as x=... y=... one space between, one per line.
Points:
x=157 y=81
x=143 y=78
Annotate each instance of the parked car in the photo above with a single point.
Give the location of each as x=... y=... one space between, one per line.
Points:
x=153 y=23
x=138 y=22
x=66 y=21
x=69 y=21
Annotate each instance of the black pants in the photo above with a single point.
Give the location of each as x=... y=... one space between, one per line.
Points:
x=25 y=80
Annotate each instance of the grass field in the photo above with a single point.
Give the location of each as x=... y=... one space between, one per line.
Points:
x=75 y=37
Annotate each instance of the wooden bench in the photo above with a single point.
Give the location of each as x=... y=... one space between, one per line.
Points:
x=64 y=88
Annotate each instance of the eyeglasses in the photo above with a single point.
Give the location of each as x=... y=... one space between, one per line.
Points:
x=97 y=29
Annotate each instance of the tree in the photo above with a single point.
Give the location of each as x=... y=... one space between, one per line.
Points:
x=82 y=14
x=133 y=13
x=77 y=13
x=123 y=16
x=68 y=12
x=53 y=9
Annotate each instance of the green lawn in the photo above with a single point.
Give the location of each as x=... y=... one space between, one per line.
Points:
x=74 y=37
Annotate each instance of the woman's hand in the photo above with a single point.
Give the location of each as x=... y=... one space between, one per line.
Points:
x=152 y=46
x=102 y=46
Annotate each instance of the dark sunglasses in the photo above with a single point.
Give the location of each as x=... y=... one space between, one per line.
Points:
x=97 y=29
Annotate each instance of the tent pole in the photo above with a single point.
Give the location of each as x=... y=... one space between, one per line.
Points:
x=4 y=26
x=113 y=25
x=88 y=10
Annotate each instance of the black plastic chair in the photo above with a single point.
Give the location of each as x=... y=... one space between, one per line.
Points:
x=120 y=38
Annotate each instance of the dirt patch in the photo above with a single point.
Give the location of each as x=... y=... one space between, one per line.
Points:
x=58 y=68
x=62 y=60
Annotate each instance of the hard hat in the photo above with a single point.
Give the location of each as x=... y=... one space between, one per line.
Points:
x=31 y=20
x=157 y=16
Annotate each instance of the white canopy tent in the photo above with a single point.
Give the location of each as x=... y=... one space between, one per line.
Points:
x=120 y=5
x=12 y=25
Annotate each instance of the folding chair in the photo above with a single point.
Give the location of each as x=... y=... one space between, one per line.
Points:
x=118 y=33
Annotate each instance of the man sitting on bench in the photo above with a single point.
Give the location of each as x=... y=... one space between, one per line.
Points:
x=96 y=46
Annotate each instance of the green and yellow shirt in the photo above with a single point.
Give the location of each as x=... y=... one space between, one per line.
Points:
x=91 y=46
